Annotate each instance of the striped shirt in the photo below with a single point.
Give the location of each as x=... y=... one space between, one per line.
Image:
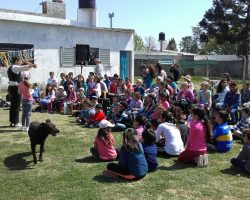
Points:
x=223 y=138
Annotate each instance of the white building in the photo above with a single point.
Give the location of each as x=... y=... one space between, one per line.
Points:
x=54 y=40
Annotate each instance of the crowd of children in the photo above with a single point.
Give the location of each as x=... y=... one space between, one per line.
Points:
x=169 y=117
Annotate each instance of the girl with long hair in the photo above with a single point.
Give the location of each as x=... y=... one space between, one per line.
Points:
x=132 y=163
x=104 y=143
x=25 y=89
x=199 y=133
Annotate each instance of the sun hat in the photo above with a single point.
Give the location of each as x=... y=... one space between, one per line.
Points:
x=61 y=87
x=98 y=60
x=187 y=77
x=26 y=75
x=105 y=124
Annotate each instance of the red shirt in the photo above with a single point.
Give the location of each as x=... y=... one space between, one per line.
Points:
x=97 y=117
x=113 y=88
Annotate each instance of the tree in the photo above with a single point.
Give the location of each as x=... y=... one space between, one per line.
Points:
x=151 y=43
x=171 y=45
x=138 y=43
x=187 y=44
x=228 y=22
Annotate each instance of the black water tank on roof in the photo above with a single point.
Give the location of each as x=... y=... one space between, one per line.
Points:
x=86 y=4
x=161 y=36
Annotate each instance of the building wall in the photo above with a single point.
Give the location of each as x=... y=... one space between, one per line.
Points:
x=48 y=38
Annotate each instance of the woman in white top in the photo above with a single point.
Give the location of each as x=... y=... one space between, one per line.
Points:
x=161 y=71
x=173 y=143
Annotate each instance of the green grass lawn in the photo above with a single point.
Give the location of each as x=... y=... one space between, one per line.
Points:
x=68 y=171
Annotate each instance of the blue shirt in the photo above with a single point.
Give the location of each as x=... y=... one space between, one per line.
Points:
x=223 y=138
x=134 y=162
x=150 y=152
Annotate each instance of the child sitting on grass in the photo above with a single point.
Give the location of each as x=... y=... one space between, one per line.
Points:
x=242 y=161
x=132 y=163
x=87 y=112
x=222 y=136
x=139 y=124
x=96 y=118
x=150 y=149
x=103 y=149
x=244 y=123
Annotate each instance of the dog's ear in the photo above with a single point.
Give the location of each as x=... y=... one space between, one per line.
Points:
x=47 y=121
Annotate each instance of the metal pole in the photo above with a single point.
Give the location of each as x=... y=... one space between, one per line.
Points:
x=207 y=68
x=244 y=68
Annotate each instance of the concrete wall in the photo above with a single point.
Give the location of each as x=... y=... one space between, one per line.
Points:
x=48 y=38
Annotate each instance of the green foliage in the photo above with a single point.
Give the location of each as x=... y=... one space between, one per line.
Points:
x=138 y=43
x=171 y=45
x=187 y=44
x=226 y=23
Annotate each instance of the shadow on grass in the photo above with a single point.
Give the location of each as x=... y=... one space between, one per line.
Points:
x=18 y=162
x=8 y=129
x=177 y=166
x=235 y=172
x=103 y=179
x=88 y=159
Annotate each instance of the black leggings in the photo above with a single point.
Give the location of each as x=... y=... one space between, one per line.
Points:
x=15 y=102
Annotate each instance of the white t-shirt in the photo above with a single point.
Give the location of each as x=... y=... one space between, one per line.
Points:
x=173 y=144
x=52 y=81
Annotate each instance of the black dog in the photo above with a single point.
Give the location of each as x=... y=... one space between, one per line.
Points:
x=38 y=132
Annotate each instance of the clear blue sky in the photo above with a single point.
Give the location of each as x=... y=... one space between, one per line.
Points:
x=148 y=17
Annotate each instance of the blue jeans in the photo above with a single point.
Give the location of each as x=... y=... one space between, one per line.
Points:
x=234 y=115
x=27 y=108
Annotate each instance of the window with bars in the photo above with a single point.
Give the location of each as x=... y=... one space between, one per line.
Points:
x=67 y=56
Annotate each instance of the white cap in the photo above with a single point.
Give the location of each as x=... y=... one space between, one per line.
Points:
x=26 y=74
x=105 y=124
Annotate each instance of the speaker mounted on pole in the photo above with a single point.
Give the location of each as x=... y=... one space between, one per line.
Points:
x=82 y=54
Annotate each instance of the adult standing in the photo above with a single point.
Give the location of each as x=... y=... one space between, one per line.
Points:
x=150 y=77
x=15 y=77
x=161 y=71
x=175 y=69
x=98 y=67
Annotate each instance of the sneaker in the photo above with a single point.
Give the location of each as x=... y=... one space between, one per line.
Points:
x=22 y=128
x=200 y=161
x=18 y=125
x=205 y=160
x=27 y=129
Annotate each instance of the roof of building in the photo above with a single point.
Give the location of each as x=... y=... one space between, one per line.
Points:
x=36 y=18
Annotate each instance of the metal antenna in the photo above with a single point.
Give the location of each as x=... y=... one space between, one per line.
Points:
x=111 y=15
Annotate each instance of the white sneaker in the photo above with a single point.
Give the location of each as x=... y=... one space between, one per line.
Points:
x=27 y=129
x=200 y=161
x=205 y=160
x=22 y=128
x=18 y=125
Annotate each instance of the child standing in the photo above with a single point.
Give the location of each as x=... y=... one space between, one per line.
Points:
x=25 y=88
x=243 y=159
x=150 y=149
x=103 y=146
x=132 y=163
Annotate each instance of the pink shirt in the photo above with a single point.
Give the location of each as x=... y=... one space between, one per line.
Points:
x=139 y=131
x=165 y=104
x=25 y=91
x=196 y=140
x=106 y=151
